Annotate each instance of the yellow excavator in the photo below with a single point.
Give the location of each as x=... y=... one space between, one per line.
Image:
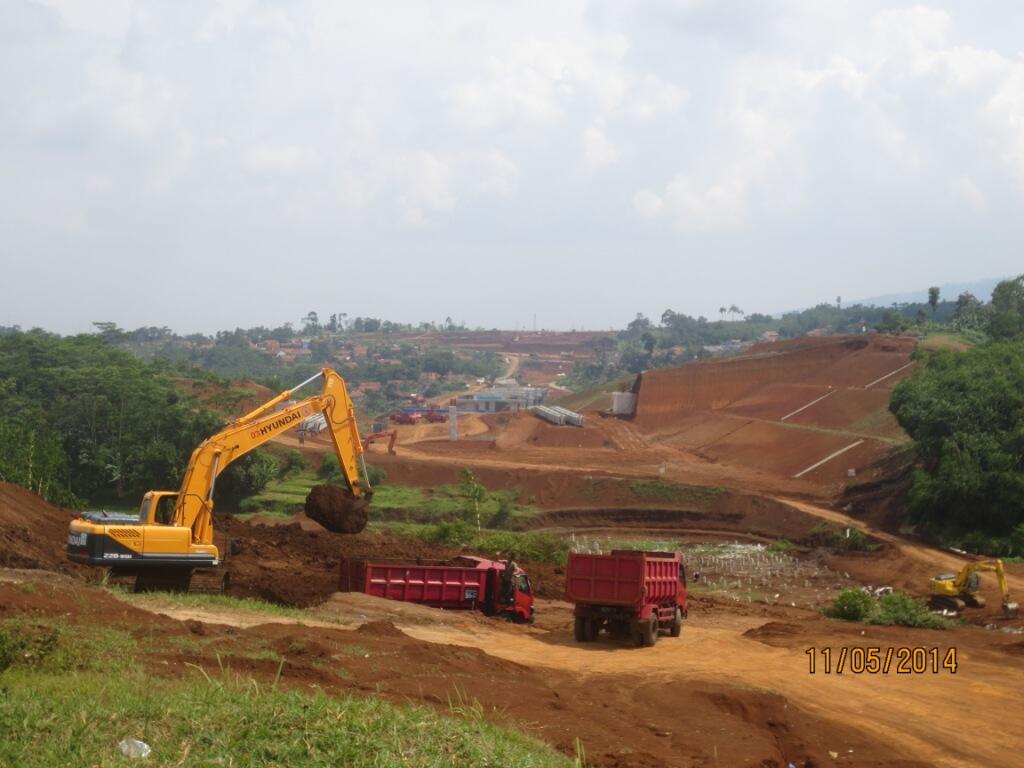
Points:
x=172 y=534
x=956 y=591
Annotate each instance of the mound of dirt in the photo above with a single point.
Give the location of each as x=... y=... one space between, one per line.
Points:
x=33 y=533
x=335 y=509
x=381 y=629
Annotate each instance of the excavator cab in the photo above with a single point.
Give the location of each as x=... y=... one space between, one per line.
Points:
x=157 y=508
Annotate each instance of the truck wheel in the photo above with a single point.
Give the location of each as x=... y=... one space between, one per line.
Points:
x=591 y=629
x=677 y=624
x=649 y=632
x=579 y=629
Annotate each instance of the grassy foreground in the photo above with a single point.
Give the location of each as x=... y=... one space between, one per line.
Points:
x=70 y=694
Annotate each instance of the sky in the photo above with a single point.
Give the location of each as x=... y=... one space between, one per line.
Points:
x=217 y=164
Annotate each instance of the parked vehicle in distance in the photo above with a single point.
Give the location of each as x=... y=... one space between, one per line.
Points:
x=628 y=593
x=465 y=584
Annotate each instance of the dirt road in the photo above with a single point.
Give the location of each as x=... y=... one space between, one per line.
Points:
x=910 y=712
x=763 y=652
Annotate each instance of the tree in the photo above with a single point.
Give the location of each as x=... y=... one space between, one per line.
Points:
x=968 y=313
x=312 y=323
x=473 y=492
x=722 y=311
x=933 y=298
x=839 y=302
x=1007 y=318
x=965 y=413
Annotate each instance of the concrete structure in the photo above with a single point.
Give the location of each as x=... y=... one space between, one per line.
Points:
x=514 y=398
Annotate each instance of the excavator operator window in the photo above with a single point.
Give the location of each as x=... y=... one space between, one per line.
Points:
x=165 y=510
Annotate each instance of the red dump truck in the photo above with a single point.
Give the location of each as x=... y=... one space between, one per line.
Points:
x=629 y=593
x=464 y=584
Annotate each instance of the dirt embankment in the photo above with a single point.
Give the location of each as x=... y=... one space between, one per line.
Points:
x=33 y=534
x=627 y=721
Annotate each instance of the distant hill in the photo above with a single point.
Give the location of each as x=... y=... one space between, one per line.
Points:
x=948 y=292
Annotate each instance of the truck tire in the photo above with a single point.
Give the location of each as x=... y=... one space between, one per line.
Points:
x=677 y=624
x=648 y=631
x=590 y=630
x=579 y=629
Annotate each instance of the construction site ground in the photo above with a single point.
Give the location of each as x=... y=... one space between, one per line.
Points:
x=746 y=450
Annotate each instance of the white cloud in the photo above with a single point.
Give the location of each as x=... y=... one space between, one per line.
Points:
x=648 y=204
x=966 y=191
x=598 y=150
x=655 y=98
x=278 y=159
x=425 y=186
x=765 y=130
x=500 y=175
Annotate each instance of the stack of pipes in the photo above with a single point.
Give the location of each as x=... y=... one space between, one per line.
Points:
x=549 y=414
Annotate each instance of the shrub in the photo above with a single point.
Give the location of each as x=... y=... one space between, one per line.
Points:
x=457 y=533
x=902 y=609
x=501 y=517
x=376 y=475
x=330 y=466
x=851 y=605
x=293 y=461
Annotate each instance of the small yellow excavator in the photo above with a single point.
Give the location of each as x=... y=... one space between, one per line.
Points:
x=956 y=591
x=172 y=534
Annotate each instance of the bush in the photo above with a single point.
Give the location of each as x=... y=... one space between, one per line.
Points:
x=293 y=462
x=535 y=547
x=501 y=517
x=851 y=605
x=376 y=475
x=895 y=608
x=457 y=533
x=902 y=609
x=330 y=466
x=840 y=539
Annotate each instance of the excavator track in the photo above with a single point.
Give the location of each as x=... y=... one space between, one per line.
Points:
x=193 y=581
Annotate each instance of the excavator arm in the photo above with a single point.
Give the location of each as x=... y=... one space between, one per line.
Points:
x=961 y=588
x=194 y=508
x=173 y=532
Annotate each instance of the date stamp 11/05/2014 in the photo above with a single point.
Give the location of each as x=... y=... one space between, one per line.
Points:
x=876 y=660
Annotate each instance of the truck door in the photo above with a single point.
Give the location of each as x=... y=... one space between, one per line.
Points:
x=524 y=597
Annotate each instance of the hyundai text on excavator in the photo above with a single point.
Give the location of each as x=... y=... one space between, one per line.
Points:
x=956 y=591
x=172 y=534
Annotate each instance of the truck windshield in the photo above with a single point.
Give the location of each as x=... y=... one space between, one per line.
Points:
x=523 y=584
x=682 y=575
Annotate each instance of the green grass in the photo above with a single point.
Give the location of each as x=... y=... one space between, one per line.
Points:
x=666 y=491
x=534 y=546
x=443 y=502
x=213 y=602
x=75 y=720
x=51 y=645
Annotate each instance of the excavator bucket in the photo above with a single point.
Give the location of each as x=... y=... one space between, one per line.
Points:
x=336 y=509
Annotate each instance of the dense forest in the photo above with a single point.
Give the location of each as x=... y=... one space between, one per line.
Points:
x=965 y=413
x=81 y=420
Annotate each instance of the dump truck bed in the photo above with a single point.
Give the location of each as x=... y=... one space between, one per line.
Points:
x=624 y=577
x=439 y=586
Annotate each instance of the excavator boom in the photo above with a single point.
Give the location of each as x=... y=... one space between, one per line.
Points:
x=175 y=530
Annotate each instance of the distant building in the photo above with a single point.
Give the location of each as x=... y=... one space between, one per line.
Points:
x=505 y=398
x=768 y=337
